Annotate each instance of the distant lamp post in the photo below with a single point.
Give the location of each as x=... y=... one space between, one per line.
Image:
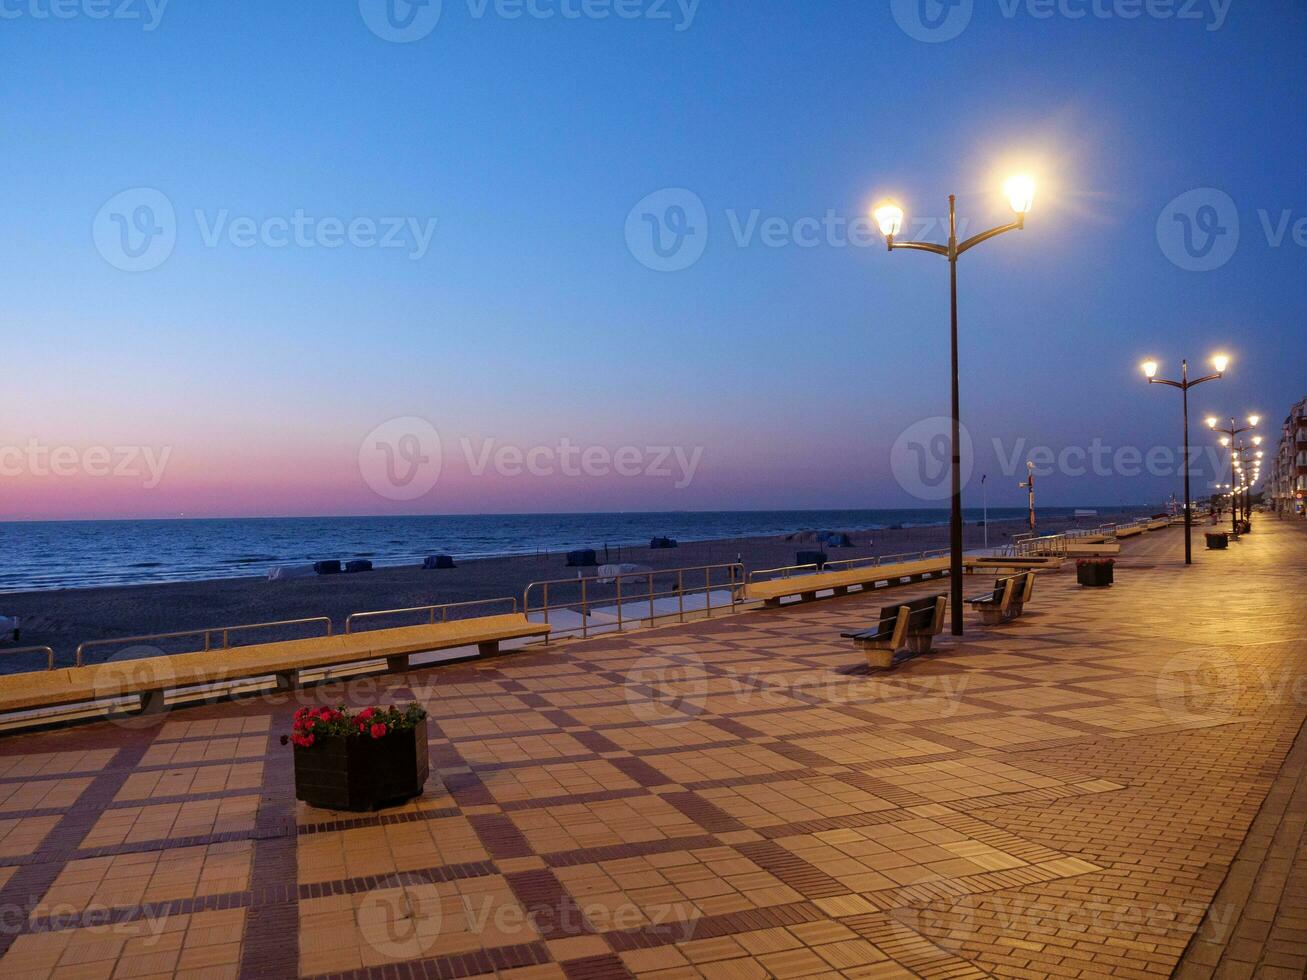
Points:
x=1029 y=487
x=1020 y=194
x=1227 y=439
x=1220 y=362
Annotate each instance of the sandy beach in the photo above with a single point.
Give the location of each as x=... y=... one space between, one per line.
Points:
x=63 y=618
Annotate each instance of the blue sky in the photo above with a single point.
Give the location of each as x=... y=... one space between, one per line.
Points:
x=528 y=318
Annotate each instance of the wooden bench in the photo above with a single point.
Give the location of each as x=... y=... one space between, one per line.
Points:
x=1076 y=548
x=806 y=587
x=1007 y=600
x=1009 y=563
x=151 y=678
x=913 y=625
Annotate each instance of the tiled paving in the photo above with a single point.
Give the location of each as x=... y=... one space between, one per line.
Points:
x=1109 y=786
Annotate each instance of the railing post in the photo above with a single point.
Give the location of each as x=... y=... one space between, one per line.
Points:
x=585 y=611
x=651 y=599
x=680 y=594
x=707 y=592
x=618 y=580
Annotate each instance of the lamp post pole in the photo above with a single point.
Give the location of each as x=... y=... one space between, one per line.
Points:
x=1184 y=384
x=1227 y=439
x=1020 y=191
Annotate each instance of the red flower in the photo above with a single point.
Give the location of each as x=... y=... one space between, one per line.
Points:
x=378 y=731
x=367 y=713
x=302 y=740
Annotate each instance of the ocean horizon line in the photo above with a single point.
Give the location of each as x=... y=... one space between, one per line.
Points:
x=1051 y=507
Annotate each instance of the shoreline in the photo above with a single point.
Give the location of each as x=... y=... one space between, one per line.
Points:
x=62 y=618
x=171 y=561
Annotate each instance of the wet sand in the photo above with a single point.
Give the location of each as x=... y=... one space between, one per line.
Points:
x=61 y=619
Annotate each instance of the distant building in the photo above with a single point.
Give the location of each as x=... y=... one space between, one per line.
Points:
x=1287 y=488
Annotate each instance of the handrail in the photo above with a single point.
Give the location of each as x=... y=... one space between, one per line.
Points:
x=587 y=601
x=443 y=608
x=49 y=654
x=1028 y=545
x=847 y=564
x=208 y=634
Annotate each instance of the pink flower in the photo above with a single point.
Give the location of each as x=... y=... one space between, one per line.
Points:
x=378 y=731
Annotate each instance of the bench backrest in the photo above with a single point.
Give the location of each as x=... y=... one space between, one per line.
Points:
x=915 y=606
x=893 y=626
x=919 y=615
x=1007 y=589
x=1030 y=587
x=934 y=624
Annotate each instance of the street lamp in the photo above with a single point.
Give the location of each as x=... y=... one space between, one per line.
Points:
x=1020 y=194
x=1227 y=439
x=1220 y=362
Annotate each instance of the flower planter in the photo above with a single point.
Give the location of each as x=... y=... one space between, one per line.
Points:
x=364 y=761
x=351 y=773
x=1217 y=541
x=1095 y=573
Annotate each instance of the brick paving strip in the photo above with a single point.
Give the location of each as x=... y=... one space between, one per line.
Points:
x=1257 y=923
x=1061 y=796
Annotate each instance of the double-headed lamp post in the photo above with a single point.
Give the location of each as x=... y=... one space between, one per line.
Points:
x=1020 y=193
x=1250 y=457
x=1227 y=439
x=1220 y=362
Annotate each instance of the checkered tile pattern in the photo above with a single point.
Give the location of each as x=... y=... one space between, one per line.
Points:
x=1063 y=795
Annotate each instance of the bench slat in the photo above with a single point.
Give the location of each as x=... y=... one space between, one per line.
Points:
x=122 y=678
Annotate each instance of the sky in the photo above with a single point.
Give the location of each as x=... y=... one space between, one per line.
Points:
x=485 y=256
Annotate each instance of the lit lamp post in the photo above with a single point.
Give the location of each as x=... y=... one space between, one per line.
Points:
x=1020 y=192
x=1220 y=362
x=1227 y=439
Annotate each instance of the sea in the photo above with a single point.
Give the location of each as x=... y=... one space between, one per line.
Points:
x=41 y=555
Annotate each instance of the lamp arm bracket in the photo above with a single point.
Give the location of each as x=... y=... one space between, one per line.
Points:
x=921 y=246
x=985 y=236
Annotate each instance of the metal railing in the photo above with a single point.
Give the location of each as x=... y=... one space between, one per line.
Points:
x=49 y=654
x=587 y=596
x=222 y=632
x=1038 y=546
x=428 y=611
x=846 y=564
